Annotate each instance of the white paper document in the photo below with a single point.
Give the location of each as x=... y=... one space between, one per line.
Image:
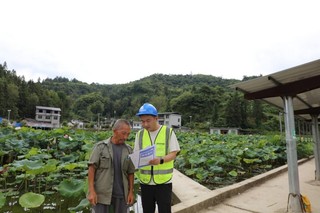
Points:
x=142 y=157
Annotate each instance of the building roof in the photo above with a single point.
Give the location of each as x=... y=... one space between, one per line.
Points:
x=301 y=82
x=50 y=108
x=168 y=113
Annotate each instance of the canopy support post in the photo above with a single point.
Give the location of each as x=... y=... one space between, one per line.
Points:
x=294 y=205
x=316 y=148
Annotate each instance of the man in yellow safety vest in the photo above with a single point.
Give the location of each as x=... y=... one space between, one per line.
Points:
x=155 y=179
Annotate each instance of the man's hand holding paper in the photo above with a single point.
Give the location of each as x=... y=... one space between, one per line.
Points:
x=143 y=157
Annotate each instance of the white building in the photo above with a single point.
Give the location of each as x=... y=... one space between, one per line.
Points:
x=136 y=125
x=170 y=119
x=48 y=116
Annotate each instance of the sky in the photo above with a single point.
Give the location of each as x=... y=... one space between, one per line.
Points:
x=117 y=42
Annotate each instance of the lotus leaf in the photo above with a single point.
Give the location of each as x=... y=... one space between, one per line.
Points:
x=69 y=158
x=12 y=193
x=28 y=164
x=87 y=147
x=3 y=152
x=42 y=156
x=71 y=188
x=22 y=177
x=58 y=131
x=64 y=145
x=249 y=161
x=48 y=192
x=15 y=144
x=83 y=204
x=69 y=166
x=31 y=200
x=215 y=169
x=36 y=171
x=233 y=173
x=190 y=172
x=32 y=151
x=202 y=174
x=2 y=200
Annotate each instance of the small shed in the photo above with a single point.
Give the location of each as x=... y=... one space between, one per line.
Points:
x=224 y=130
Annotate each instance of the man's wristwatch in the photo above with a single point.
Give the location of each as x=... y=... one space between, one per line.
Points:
x=161 y=161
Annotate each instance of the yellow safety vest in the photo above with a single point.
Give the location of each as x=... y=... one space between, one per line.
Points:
x=160 y=173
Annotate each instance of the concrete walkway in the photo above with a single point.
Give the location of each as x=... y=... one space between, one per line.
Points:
x=265 y=193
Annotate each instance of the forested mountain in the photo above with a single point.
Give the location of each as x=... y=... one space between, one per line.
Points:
x=207 y=99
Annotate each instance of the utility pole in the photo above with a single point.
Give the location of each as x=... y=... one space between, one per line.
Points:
x=9 y=110
x=98 y=120
x=280 y=122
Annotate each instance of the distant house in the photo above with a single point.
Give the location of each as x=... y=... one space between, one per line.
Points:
x=46 y=118
x=224 y=130
x=136 y=125
x=170 y=119
x=76 y=124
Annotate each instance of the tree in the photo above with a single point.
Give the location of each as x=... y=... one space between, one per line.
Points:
x=87 y=106
x=206 y=98
x=257 y=113
x=236 y=111
x=31 y=103
x=12 y=99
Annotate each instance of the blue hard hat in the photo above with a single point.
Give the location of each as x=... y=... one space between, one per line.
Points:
x=147 y=109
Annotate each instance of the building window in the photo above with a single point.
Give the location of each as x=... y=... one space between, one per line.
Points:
x=48 y=117
x=40 y=110
x=167 y=116
x=39 y=116
x=55 y=117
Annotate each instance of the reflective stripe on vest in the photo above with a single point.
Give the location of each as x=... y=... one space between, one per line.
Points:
x=156 y=172
x=160 y=173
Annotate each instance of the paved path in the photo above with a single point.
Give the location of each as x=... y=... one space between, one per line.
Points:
x=272 y=195
x=265 y=193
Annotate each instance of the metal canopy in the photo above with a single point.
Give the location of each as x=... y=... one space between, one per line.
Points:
x=296 y=91
x=301 y=82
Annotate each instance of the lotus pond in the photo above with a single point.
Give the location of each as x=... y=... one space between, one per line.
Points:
x=46 y=171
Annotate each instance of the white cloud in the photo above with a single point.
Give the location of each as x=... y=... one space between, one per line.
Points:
x=122 y=41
